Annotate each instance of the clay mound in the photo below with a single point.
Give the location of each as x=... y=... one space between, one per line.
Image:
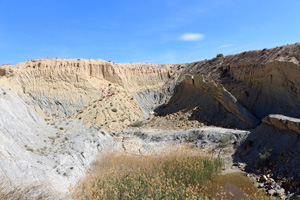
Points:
x=209 y=103
x=113 y=112
x=274 y=146
x=264 y=81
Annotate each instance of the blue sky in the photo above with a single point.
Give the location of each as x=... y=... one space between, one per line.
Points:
x=156 y=31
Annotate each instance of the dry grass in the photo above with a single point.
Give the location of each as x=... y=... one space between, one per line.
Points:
x=181 y=173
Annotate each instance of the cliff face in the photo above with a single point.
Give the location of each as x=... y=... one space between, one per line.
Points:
x=76 y=88
x=264 y=82
x=272 y=88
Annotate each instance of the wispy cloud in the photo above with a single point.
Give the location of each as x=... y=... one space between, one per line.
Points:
x=226 y=45
x=191 y=37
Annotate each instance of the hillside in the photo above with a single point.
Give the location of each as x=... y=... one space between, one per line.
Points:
x=58 y=115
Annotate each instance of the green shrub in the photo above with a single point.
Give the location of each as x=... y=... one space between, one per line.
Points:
x=192 y=137
x=225 y=141
x=137 y=123
x=266 y=154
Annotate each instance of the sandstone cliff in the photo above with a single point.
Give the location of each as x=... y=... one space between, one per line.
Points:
x=264 y=82
x=94 y=91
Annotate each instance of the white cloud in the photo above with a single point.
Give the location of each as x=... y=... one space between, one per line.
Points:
x=226 y=45
x=191 y=37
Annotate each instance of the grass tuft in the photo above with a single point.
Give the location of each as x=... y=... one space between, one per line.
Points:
x=225 y=141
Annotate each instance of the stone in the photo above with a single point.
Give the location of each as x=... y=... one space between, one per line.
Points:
x=271 y=192
x=263 y=178
x=280 y=192
x=283 y=122
x=261 y=185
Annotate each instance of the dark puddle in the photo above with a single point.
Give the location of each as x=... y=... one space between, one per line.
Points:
x=236 y=186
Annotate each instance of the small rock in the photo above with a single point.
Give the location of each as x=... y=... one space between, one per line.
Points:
x=261 y=185
x=277 y=187
x=263 y=178
x=241 y=165
x=269 y=187
x=271 y=192
x=280 y=192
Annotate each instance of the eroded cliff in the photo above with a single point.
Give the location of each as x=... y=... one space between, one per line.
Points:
x=94 y=91
x=263 y=81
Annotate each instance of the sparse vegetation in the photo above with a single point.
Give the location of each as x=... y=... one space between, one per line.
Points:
x=225 y=141
x=137 y=123
x=192 y=137
x=181 y=173
x=220 y=55
x=266 y=154
x=52 y=138
x=29 y=148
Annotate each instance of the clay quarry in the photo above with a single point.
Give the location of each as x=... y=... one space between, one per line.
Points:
x=58 y=116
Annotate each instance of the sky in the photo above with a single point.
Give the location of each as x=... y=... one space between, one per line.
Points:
x=154 y=31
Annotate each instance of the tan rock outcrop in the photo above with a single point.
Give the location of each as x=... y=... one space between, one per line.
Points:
x=283 y=122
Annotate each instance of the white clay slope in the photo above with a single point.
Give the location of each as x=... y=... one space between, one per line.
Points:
x=31 y=150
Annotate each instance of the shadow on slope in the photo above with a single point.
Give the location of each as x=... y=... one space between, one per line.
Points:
x=273 y=148
x=208 y=103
